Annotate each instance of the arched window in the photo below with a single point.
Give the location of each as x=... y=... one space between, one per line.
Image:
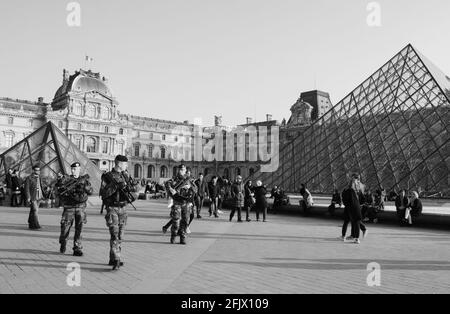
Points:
x=120 y=131
x=237 y=172
x=91 y=145
x=150 y=172
x=163 y=171
x=150 y=151
x=10 y=120
x=175 y=170
x=206 y=172
x=106 y=129
x=226 y=173
x=251 y=171
x=137 y=171
x=163 y=152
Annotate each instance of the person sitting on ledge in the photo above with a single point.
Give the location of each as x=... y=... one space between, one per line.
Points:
x=336 y=202
x=414 y=208
x=401 y=203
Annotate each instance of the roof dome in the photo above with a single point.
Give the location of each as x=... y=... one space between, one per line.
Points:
x=82 y=82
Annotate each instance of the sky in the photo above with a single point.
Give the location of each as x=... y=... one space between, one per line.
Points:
x=186 y=59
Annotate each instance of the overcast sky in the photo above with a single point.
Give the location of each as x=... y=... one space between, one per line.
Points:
x=182 y=59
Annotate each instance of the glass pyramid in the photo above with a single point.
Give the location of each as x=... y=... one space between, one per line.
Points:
x=393 y=130
x=49 y=148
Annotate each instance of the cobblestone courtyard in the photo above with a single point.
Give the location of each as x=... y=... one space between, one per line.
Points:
x=287 y=254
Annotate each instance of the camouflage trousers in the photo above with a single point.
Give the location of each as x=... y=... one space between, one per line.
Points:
x=70 y=215
x=116 y=219
x=180 y=218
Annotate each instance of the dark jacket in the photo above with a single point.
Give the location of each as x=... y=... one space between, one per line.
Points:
x=248 y=199
x=260 y=197
x=31 y=188
x=350 y=199
x=8 y=180
x=202 y=188
x=336 y=199
x=399 y=199
x=416 y=207
x=15 y=183
x=237 y=193
x=213 y=190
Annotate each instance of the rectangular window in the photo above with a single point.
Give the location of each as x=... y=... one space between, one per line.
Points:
x=120 y=148
x=105 y=147
x=136 y=150
x=9 y=140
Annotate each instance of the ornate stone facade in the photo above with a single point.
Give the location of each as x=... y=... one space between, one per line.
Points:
x=85 y=109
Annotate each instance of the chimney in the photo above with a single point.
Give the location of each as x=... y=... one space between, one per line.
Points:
x=268 y=117
x=249 y=120
x=65 y=75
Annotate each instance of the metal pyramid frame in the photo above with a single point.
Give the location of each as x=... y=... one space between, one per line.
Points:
x=49 y=148
x=393 y=130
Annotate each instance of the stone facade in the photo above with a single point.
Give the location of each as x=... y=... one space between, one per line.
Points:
x=85 y=109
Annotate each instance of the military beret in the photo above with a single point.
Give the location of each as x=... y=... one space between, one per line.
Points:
x=75 y=164
x=121 y=158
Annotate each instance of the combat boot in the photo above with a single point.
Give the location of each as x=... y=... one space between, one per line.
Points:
x=183 y=241
x=172 y=239
x=62 y=249
x=77 y=253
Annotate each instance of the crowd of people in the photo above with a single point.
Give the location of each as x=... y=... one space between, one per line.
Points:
x=187 y=196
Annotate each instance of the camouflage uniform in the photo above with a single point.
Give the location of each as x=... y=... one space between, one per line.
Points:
x=115 y=188
x=182 y=203
x=73 y=193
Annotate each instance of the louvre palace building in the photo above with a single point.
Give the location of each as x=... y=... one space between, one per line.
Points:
x=393 y=129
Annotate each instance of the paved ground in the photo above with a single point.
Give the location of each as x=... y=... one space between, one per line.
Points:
x=285 y=255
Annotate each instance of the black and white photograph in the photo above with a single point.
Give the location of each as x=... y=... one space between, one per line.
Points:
x=224 y=152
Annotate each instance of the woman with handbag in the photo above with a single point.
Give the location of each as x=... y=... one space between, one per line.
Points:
x=260 y=200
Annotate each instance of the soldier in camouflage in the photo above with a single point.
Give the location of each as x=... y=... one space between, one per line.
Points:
x=182 y=190
x=73 y=192
x=117 y=191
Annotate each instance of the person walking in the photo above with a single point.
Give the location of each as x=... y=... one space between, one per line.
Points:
x=15 y=189
x=260 y=200
x=73 y=192
x=351 y=198
x=34 y=193
x=249 y=200
x=237 y=194
x=213 y=195
x=201 y=194
x=118 y=190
